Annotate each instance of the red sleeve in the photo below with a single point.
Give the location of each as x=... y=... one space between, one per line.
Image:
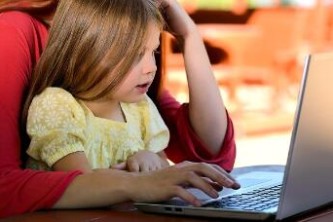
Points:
x=21 y=41
x=185 y=144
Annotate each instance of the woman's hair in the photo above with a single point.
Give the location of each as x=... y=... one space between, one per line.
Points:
x=41 y=9
x=90 y=39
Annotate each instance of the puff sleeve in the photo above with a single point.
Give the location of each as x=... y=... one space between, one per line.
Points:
x=55 y=125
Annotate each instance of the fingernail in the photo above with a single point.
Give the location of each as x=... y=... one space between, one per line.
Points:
x=236 y=186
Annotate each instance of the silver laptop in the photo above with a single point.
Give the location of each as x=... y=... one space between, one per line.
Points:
x=307 y=180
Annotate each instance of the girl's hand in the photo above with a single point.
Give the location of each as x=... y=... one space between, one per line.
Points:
x=178 y=21
x=143 y=161
x=172 y=182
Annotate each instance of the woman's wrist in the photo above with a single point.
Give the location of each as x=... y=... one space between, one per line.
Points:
x=102 y=187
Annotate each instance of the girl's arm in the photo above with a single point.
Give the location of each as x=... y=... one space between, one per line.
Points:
x=206 y=108
x=184 y=143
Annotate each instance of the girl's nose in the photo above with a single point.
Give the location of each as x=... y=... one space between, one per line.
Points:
x=150 y=65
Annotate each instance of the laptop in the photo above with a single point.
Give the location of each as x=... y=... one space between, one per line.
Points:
x=305 y=183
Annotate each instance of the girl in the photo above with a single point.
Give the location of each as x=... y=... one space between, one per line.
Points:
x=89 y=107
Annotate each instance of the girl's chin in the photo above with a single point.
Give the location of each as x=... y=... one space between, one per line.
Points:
x=134 y=99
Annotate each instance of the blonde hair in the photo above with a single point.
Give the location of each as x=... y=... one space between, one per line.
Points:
x=88 y=40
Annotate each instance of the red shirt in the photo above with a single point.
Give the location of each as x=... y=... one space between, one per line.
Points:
x=22 y=39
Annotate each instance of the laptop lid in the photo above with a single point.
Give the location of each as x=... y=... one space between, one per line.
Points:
x=306 y=181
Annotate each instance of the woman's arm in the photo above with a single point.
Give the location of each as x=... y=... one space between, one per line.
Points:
x=206 y=108
x=105 y=187
x=21 y=190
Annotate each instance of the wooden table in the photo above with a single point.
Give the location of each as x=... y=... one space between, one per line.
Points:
x=127 y=213
x=104 y=215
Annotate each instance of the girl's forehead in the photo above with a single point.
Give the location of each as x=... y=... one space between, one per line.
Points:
x=153 y=39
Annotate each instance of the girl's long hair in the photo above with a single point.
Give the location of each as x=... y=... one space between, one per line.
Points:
x=41 y=9
x=90 y=39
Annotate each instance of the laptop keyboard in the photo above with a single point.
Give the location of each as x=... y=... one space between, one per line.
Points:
x=255 y=200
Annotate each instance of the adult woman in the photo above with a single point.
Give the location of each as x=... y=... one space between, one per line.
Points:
x=22 y=39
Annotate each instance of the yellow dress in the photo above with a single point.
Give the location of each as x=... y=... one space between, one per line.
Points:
x=58 y=125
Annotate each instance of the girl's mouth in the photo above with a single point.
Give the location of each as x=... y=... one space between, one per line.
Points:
x=143 y=88
x=143 y=85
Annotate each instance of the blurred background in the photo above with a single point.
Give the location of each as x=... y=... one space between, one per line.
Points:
x=257 y=49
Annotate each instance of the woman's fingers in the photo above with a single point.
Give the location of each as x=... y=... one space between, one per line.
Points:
x=172 y=181
x=235 y=185
x=202 y=183
x=213 y=172
x=185 y=195
x=200 y=176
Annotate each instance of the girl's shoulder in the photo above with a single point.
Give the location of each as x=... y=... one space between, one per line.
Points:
x=56 y=92
x=54 y=101
x=55 y=96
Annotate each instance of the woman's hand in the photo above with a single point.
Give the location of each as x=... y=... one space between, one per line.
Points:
x=105 y=187
x=172 y=182
x=143 y=161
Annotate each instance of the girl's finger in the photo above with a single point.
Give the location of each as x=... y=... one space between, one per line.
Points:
x=133 y=166
x=119 y=166
x=144 y=167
